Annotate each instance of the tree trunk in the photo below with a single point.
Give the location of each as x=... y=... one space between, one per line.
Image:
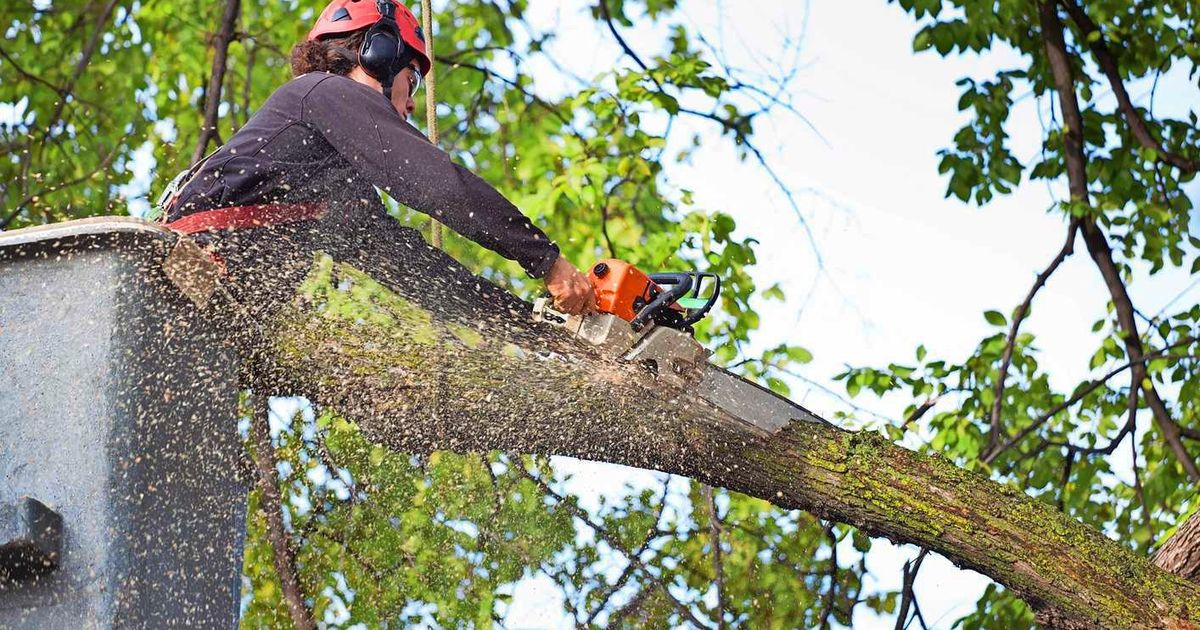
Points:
x=453 y=365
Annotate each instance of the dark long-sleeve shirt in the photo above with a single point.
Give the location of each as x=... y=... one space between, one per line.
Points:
x=323 y=137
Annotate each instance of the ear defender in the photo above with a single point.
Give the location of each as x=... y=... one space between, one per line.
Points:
x=383 y=49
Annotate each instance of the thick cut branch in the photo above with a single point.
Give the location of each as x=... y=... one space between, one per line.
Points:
x=449 y=365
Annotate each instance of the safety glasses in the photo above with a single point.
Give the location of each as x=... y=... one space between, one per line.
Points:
x=414 y=80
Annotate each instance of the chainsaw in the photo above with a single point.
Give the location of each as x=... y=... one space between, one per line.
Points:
x=647 y=319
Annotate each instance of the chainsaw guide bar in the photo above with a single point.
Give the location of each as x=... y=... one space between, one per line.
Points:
x=640 y=322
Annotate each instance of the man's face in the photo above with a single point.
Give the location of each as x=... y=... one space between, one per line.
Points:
x=404 y=89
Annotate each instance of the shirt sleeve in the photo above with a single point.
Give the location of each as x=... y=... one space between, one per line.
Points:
x=364 y=128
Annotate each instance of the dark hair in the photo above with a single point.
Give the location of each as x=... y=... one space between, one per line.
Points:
x=336 y=55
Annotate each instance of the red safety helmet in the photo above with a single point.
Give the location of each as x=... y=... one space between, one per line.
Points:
x=346 y=16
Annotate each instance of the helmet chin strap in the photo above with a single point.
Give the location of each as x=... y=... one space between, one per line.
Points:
x=386 y=84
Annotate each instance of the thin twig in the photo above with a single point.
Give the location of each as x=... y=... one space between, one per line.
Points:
x=829 y=595
x=1079 y=395
x=714 y=532
x=248 y=85
x=613 y=542
x=1137 y=489
x=1018 y=317
x=629 y=568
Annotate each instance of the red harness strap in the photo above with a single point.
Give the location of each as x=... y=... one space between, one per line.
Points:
x=243 y=217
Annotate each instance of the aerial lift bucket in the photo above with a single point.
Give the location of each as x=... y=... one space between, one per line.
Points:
x=121 y=500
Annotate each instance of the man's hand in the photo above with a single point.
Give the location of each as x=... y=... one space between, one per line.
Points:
x=572 y=291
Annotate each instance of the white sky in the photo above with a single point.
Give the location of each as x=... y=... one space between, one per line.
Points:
x=904 y=265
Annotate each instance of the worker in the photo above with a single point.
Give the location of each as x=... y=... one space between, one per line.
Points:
x=314 y=154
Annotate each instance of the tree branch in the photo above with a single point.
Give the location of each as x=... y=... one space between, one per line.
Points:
x=1018 y=317
x=907 y=596
x=216 y=81
x=714 y=532
x=1108 y=64
x=629 y=568
x=613 y=542
x=1079 y=395
x=1093 y=237
x=64 y=93
x=247 y=86
x=1137 y=488
x=390 y=362
x=612 y=28
x=272 y=506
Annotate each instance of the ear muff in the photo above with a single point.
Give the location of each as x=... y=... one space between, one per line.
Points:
x=383 y=49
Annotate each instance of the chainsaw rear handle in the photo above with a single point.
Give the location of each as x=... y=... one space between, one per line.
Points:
x=674 y=286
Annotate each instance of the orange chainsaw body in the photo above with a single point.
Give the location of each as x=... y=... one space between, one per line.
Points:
x=622 y=289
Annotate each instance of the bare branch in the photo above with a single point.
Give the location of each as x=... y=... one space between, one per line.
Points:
x=827 y=604
x=247 y=86
x=1079 y=395
x=613 y=542
x=714 y=531
x=907 y=596
x=629 y=568
x=612 y=28
x=1137 y=488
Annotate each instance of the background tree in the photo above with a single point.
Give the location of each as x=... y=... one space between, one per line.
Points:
x=360 y=534
x=1119 y=168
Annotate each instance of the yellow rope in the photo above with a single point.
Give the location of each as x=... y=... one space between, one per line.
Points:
x=435 y=230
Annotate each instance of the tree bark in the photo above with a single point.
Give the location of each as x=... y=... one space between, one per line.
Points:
x=1181 y=553
x=418 y=376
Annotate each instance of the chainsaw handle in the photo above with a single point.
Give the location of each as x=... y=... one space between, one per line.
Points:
x=674 y=285
x=696 y=315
